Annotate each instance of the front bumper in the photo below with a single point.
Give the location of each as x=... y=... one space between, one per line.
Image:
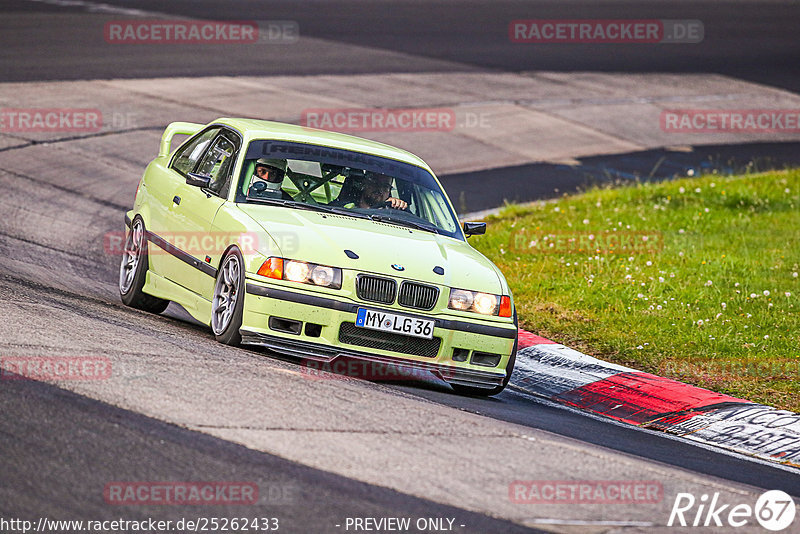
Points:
x=328 y=342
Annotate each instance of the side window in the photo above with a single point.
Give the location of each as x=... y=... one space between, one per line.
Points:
x=217 y=163
x=187 y=156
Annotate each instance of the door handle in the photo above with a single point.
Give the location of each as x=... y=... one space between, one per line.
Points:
x=176 y=199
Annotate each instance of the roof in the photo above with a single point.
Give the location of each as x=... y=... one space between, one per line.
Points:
x=255 y=129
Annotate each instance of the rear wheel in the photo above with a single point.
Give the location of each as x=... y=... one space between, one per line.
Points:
x=227 y=305
x=488 y=392
x=133 y=271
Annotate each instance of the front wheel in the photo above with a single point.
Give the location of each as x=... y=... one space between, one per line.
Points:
x=133 y=271
x=227 y=305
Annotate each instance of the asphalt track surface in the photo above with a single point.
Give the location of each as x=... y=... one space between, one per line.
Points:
x=58 y=470
x=59 y=447
x=470 y=191
x=753 y=40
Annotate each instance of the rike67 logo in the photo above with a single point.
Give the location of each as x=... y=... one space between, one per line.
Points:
x=774 y=510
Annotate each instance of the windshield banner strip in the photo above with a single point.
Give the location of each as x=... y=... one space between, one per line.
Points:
x=338 y=156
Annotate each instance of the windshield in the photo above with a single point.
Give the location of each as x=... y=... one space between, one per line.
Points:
x=349 y=183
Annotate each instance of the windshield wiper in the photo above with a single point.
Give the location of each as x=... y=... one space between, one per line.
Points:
x=323 y=208
x=274 y=201
x=403 y=222
x=311 y=207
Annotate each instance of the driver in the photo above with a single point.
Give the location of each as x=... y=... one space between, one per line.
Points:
x=376 y=191
x=267 y=180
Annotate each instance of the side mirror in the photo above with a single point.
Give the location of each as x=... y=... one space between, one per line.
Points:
x=474 y=228
x=198 y=180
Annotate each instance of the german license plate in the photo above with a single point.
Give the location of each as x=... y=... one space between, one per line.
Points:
x=398 y=324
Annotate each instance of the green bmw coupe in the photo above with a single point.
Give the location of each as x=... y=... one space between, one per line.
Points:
x=317 y=245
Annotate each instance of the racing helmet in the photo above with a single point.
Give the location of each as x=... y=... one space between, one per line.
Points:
x=277 y=169
x=277 y=165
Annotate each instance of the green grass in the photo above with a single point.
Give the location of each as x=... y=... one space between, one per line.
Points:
x=714 y=304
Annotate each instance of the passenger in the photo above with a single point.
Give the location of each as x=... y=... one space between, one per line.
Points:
x=373 y=190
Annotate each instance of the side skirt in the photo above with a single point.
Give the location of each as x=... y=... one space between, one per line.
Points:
x=197 y=306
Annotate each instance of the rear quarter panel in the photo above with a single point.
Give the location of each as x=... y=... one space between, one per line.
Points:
x=153 y=202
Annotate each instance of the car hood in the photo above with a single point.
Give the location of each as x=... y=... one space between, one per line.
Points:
x=322 y=238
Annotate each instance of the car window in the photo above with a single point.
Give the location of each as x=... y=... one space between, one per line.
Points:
x=217 y=163
x=188 y=155
x=363 y=185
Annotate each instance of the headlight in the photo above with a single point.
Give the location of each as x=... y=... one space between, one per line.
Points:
x=302 y=272
x=460 y=299
x=295 y=271
x=322 y=275
x=483 y=303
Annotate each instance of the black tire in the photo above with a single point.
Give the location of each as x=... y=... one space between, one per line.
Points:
x=226 y=291
x=488 y=392
x=133 y=271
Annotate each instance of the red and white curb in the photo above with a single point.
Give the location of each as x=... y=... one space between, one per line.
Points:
x=559 y=373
